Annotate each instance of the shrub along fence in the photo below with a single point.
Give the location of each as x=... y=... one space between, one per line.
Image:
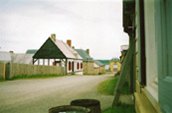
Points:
x=10 y=70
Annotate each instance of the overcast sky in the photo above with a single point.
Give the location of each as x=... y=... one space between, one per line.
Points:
x=93 y=24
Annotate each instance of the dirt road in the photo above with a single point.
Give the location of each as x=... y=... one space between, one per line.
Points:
x=38 y=95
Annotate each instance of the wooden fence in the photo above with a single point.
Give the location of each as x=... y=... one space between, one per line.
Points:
x=10 y=70
x=2 y=70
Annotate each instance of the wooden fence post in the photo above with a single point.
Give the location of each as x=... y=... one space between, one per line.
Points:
x=125 y=69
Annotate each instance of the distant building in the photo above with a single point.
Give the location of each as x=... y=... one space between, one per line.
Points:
x=115 y=65
x=100 y=66
x=106 y=64
x=90 y=66
x=19 y=58
x=5 y=56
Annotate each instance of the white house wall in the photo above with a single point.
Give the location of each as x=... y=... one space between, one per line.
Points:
x=151 y=53
x=75 y=65
x=44 y=62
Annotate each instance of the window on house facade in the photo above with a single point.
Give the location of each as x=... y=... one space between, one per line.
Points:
x=69 y=66
x=78 y=65
x=81 y=65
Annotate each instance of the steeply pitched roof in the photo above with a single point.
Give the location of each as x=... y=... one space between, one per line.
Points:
x=66 y=50
x=84 y=54
x=5 y=56
x=56 y=49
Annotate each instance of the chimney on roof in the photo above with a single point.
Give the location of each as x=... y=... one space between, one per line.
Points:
x=53 y=37
x=69 y=43
x=88 y=51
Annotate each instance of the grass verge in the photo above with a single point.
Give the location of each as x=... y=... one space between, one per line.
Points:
x=107 y=87
x=35 y=76
x=1 y=79
x=123 y=108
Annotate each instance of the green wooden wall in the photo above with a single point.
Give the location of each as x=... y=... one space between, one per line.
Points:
x=163 y=29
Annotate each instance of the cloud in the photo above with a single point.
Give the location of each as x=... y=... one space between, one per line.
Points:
x=96 y=25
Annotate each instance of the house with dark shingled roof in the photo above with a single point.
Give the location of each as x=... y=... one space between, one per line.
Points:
x=57 y=53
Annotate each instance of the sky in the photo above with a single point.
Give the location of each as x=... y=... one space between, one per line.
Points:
x=93 y=24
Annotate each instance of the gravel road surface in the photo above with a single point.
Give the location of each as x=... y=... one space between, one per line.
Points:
x=38 y=95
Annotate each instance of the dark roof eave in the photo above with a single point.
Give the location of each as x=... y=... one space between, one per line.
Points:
x=48 y=58
x=128 y=15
